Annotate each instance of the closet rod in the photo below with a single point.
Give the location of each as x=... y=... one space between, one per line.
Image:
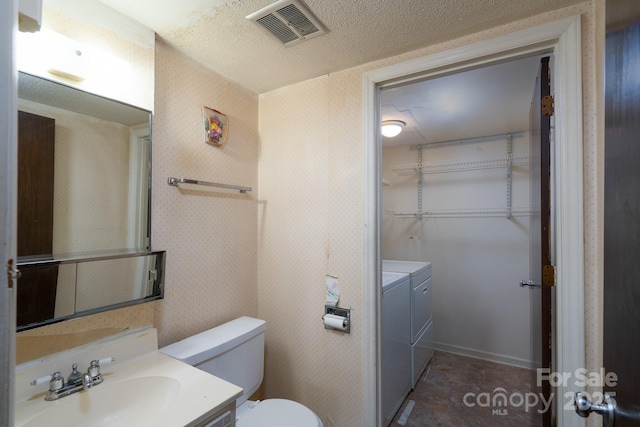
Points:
x=176 y=181
x=469 y=140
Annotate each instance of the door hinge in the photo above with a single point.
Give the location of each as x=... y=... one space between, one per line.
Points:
x=547 y=105
x=549 y=275
x=12 y=273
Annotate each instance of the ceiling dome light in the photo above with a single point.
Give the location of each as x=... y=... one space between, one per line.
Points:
x=391 y=128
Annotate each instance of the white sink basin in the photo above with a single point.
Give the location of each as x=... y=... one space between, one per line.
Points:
x=127 y=402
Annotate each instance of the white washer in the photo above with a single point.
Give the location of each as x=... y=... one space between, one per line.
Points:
x=421 y=327
x=396 y=343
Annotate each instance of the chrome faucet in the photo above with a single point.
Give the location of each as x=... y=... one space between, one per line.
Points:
x=76 y=381
x=87 y=381
x=75 y=377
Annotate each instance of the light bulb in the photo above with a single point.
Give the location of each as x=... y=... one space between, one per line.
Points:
x=391 y=128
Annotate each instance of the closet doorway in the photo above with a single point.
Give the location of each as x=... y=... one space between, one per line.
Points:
x=561 y=39
x=461 y=190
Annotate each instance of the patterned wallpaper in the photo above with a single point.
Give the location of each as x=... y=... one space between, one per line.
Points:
x=310 y=226
x=210 y=235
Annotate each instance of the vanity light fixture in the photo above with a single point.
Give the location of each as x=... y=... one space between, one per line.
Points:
x=391 y=128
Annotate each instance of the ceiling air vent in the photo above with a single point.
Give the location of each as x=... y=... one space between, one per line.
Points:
x=289 y=21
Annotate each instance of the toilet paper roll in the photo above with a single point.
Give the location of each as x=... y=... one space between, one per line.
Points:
x=335 y=322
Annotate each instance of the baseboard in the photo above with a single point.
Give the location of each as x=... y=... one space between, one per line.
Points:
x=483 y=355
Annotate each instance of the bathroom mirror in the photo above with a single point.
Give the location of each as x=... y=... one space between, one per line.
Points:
x=84 y=168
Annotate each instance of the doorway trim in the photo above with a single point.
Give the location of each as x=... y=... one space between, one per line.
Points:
x=564 y=38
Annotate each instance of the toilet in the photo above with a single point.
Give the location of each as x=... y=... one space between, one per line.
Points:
x=234 y=352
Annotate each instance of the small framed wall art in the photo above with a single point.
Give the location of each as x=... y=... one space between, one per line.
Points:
x=216 y=126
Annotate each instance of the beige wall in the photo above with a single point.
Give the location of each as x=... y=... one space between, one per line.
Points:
x=311 y=216
x=210 y=235
x=311 y=224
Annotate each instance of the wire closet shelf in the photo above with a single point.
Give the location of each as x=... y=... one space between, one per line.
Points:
x=464 y=213
x=506 y=161
x=462 y=165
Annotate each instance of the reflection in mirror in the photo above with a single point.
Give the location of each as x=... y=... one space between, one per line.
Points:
x=84 y=170
x=83 y=165
x=87 y=285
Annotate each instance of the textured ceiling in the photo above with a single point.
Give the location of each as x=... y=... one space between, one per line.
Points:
x=216 y=33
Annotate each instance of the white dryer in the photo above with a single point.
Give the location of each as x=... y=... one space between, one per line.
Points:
x=421 y=328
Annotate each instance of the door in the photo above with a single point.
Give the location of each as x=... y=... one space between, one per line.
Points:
x=539 y=237
x=622 y=210
x=8 y=120
x=36 y=291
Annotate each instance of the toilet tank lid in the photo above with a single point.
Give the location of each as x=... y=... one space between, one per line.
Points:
x=215 y=341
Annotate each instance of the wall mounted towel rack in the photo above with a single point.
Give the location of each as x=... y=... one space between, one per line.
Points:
x=176 y=181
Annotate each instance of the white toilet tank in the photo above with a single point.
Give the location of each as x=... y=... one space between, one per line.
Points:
x=233 y=351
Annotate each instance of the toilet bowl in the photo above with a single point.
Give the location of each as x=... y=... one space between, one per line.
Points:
x=275 y=413
x=234 y=352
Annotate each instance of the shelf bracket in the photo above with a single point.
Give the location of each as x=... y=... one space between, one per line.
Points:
x=420 y=174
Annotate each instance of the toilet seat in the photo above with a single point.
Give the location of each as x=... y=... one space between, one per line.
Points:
x=278 y=413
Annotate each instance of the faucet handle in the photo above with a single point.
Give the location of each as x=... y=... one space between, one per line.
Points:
x=94 y=368
x=104 y=360
x=42 y=380
x=55 y=380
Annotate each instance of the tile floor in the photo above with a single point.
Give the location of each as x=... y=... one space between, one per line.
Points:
x=440 y=394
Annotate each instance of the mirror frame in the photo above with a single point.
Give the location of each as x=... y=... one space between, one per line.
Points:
x=159 y=285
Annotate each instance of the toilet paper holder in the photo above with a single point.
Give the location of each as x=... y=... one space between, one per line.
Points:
x=341 y=312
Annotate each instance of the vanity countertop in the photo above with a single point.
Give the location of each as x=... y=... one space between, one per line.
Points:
x=149 y=389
